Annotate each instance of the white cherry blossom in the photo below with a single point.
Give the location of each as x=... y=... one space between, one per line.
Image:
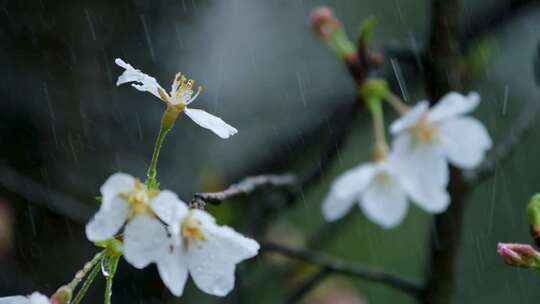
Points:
x=180 y=96
x=34 y=298
x=198 y=246
x=127 y=201
x=444 y=130
x=382 y=190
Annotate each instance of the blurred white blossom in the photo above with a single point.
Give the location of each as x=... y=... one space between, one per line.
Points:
x=34 y=298
x=180 y=96
x=382 y=189
x=443 y=130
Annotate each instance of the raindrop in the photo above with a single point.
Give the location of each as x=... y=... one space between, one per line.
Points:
x=301 y=87
x=399 y=77
x=505 y=100
x=89 y=19
x=148 y=39
x=106 y=266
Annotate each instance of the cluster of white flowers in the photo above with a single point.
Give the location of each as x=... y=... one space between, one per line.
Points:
x=417 y=167
x=157 y=226
x=160 y=229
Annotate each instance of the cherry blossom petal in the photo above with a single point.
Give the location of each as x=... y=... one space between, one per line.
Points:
x=173 y=271
x=141 y=81
x=107 y=221
x=168 y=207
x=211 y=122
x=430 y=198
x=37 y=298
x=452 y=105
x=410 y=119
x=212 y=262
x=345 y=191
x=384 y=202
x=16 y=300
x=419 y=162
x=145 y=241
x=465 y=141
x=114 y=185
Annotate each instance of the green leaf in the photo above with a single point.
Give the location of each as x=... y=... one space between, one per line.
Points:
x=479 y=54
x=366 y=31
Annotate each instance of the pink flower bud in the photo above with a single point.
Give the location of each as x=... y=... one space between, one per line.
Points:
x=520 y=255
x=61 y=296
x=324 y=21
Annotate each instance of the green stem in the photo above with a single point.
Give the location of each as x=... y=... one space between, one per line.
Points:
x=84 y=288
x=381 y=147
x=113 y=264
x=341 y=44
x=397 y=103
x=152 y=170
x=87 y=267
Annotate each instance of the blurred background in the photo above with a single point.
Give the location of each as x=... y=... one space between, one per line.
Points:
x=65 y=127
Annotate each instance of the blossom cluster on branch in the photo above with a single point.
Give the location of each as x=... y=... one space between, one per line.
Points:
x=416 y=168
x=145 y=225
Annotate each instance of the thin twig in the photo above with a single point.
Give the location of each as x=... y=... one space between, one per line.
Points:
x=43 y=196
x=355 y=270
x=504 y=150
x=245 y=187
x=307 y=285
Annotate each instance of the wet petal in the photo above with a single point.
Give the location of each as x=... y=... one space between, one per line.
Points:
x=173 y=271
x=420 y=161
x=212 y=261
x=168 y=207
x=107 y=221
x=141 y=81
x=465 y=141
x=345 y=191
x=16 y=300
x=410 y=119
x=114 y=185
x=452 y=105
x=431 y=198
x=384 y=202
x=145 y=241
x=211 y=122
x=423 y=173
x=37 y=298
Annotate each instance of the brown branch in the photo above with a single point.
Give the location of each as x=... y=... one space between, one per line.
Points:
x=444 y=73
x=54 y=201
x=245 y=187
x=406 y=285
x=307 y=285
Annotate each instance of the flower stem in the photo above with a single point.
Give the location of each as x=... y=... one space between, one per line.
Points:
x=84 y=288
x=397 y=103
x=151 y=181
x=381 y=147
x=87 y=267
x=113 y=265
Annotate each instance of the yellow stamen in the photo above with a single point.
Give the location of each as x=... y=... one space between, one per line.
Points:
x=192 y=230
x=183 y=90
x=139 y=199
x=425 y=132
